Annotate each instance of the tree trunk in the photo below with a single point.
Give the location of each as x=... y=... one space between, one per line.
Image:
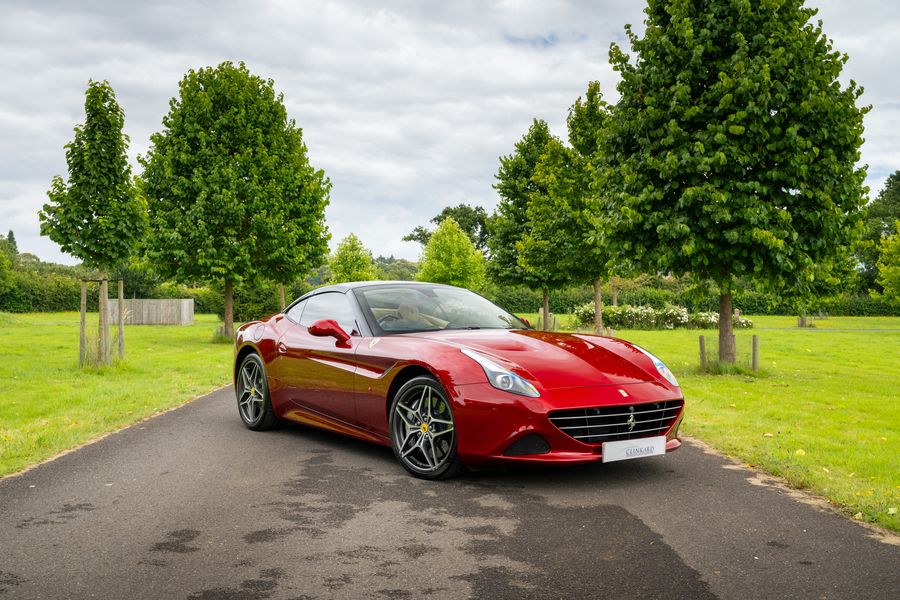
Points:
x=103 y=324
x=546 y=309
x=229 y=310
x=281 y=301
x=598 y=308
x=82 y=342
x=726 y=330
x=121 y=318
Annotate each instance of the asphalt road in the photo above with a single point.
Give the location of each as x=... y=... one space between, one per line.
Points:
x=192 y=505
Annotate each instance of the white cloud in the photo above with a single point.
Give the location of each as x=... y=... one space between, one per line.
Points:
x=406 y=106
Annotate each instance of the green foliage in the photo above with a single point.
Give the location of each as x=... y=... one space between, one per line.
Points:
x=549 y=247
x=13 y=245
x=626 y=316
x=509 y=224
x=882 y=215
x=733 y=149
x=96 y=215
x=5 y=271
x=352 y=261
x=451 y=258
x=889 y=266
x=231 y=193
x=471 y=219
x=395 y=269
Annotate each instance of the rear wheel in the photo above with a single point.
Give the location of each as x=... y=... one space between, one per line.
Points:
x=423 y=434
x=252 y=391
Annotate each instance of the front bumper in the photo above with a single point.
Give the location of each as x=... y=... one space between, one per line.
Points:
x=489 y=421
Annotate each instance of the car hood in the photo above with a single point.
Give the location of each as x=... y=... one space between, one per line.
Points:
x=557 y=360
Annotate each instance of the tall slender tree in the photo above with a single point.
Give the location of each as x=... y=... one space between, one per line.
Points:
x=11 y=240
x=509 y=224
x=734 y=148
x=97 y=215
x=231 y=195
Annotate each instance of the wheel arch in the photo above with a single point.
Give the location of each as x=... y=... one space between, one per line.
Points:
x=246 y=349
x=405 y=374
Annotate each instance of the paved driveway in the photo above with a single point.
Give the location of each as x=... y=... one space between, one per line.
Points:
x=192 y=505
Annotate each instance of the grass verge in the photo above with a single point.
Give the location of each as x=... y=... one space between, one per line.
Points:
x=823 y=412
x=51 y=405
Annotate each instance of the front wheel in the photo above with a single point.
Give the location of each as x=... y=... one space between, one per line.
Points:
x=252 y=391
x=423 y=434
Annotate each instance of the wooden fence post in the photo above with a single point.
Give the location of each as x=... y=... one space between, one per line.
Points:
x=82 y=334
x=702 y=352
x=121 y=319
x=755 y=353
x=103 y=333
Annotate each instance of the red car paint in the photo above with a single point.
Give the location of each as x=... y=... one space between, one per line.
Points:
x=344 y=386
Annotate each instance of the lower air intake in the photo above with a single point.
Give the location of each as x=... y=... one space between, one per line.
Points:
x=621 y=422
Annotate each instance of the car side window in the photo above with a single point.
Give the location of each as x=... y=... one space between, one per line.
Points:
x=296 y=311
x=330 y=305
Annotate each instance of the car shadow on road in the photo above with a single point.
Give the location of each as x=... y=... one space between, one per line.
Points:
x=621 y=474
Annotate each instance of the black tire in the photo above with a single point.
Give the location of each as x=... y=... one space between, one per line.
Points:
x=420 y=422
x=251 y=388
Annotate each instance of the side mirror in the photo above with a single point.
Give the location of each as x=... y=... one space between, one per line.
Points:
x=329 y=328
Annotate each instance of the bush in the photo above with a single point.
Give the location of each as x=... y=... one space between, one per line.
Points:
x=626 y=316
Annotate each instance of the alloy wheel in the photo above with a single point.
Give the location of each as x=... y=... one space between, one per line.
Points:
x=422 y=428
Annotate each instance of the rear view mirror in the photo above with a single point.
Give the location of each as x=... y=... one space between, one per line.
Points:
x=329 y=328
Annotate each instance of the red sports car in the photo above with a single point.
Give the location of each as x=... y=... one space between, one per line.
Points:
x=448 y=379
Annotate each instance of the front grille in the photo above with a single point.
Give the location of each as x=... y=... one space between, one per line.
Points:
x=621 y=422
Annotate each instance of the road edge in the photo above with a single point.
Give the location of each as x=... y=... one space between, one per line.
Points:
x=764 y=479
x=113 y=432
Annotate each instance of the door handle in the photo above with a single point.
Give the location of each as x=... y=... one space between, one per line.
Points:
x=281 y=348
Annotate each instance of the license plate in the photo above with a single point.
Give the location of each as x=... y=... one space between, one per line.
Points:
x=627 y=449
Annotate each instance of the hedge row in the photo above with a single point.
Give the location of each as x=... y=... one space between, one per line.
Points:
x=44 y=287
x=626 y=316
x=750 y=302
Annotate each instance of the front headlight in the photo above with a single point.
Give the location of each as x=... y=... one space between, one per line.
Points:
x=500 y=378
x=661 y=367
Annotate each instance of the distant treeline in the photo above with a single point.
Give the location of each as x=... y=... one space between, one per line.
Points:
x=34 y=286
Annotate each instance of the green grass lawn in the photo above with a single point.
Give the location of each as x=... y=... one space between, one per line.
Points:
x=824 y=412
x=50 y=405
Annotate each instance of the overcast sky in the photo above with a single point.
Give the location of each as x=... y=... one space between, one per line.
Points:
x=406 y=107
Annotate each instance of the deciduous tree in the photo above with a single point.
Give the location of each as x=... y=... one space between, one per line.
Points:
x=231 y=193
x=509 y=224
x=96 y=215
x=734 y=148
x=881 y=218
x=451 y=258
x=889 y=265
x=352 y=261
x=471 y=219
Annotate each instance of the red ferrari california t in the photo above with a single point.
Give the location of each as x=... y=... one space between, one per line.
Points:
x=449 y=380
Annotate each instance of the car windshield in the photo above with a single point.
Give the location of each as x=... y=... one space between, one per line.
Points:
x=408 y=308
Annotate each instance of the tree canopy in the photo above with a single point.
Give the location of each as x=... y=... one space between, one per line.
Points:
x=508 y=225
x=352 y=261
x=232 y=196
x=881 y=218
x=889 y=265
x=396 y=269
x=96 y=215
x=11 y=240
x=471 y=219
x=734 y=148
x=451 y=258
